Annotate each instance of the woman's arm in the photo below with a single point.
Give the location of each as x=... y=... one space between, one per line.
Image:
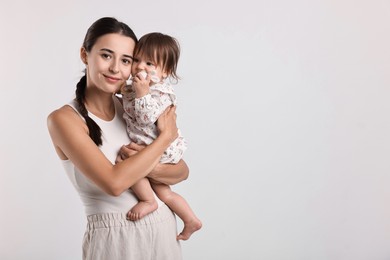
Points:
x=69 y=133
x=169 y=174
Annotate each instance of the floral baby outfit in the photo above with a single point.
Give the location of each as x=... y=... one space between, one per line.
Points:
x=141 y=115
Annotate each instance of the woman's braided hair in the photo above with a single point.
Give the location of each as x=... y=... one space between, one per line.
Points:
x=99 y=28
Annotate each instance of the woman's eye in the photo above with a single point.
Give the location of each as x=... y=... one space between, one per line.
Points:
x=126 y=61
x=106 y=56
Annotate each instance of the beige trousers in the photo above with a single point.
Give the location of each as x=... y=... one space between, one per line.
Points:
x=110 y=236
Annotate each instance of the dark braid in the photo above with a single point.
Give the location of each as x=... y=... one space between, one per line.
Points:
x=99 y=28
x=94 y=130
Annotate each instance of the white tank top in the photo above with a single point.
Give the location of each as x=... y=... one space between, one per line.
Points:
x=95 y=200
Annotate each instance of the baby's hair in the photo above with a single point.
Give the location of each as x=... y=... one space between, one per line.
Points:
x=101 y=27
x=162 y=49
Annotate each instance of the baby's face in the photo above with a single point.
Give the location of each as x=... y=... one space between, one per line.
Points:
x=143 y=66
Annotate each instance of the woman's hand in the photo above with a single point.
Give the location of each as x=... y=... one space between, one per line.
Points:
x=169 y=174
x=128 y=150
x=166 y=124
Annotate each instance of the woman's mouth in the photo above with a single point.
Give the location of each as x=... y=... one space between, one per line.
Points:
x=111 y=79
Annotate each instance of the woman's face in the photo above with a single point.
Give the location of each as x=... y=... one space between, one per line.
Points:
x=109 y=62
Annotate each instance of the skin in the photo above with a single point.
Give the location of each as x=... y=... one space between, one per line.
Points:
x=143 y=189
x=108 y=66
x=141 y=85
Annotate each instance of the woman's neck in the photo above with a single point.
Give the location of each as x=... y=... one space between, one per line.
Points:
x=100 y=104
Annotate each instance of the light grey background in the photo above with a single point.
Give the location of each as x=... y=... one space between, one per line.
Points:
x=285 y=105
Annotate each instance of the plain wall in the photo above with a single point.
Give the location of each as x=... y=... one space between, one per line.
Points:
x=285 y=105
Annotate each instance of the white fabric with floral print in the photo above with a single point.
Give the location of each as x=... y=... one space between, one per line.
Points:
x=141 y=115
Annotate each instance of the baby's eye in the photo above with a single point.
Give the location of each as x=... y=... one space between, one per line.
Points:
x=149 y=63
x=135 y=60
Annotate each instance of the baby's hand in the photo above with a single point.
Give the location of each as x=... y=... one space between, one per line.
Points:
x=142 y=74
x=141 y=83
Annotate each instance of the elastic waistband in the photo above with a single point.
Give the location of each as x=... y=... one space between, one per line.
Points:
x=104 y=220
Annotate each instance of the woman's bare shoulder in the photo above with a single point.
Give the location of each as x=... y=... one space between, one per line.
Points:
x=64 y=115
x=62 y=111
x=64 y=124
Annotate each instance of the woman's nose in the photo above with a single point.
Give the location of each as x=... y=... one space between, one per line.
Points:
x=114 y=68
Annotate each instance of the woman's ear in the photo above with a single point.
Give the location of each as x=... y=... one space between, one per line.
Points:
x=84 y=55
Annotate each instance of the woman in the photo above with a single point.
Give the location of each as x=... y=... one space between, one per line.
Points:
x=87 y=134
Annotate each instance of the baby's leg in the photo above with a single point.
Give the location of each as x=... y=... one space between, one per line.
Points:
x=178 y=205
x=146 y=203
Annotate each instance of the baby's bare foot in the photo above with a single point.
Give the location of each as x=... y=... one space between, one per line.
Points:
x=189 y=228
x=141 y=209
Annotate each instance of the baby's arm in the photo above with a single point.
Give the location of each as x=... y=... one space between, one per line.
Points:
x=149 y=107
